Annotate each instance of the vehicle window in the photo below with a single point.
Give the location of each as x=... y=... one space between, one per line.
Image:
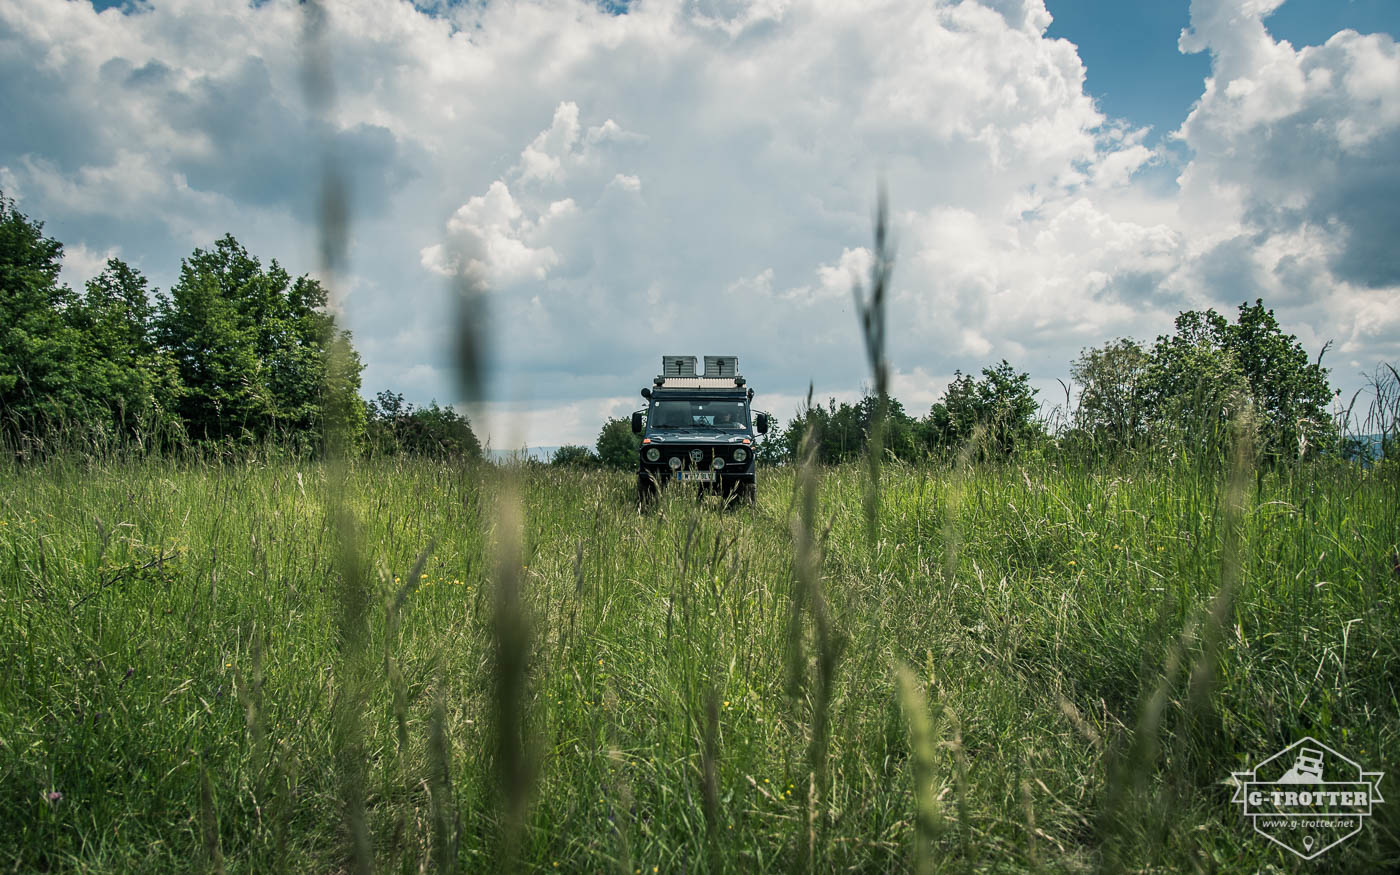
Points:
x=723 y=415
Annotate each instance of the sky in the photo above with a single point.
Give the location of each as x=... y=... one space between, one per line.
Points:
x=623 y=181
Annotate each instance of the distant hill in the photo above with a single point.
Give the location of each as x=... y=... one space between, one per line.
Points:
x=1366 y=448
x=505 y=457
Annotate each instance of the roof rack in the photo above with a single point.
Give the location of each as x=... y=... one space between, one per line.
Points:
x=678 y=372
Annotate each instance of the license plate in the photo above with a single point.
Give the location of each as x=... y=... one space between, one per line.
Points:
x=695 y=476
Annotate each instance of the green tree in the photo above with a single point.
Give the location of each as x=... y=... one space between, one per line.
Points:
x=1291 y=393
x=574 y=456
x=773 y=448
x=209 y=323
x=1198 y=376
x=951 y=421
x=843 y=431
x=127 y=374
x=1002 y=403
x=1193 y=382
x=395 y=427
x=617 y=445
x=257 y=352
x=438 y=431
x=40 y=379
x=900 y=427
x=342 y=411
x=1111 y=406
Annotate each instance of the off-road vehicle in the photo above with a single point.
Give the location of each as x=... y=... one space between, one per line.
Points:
x=697 y=429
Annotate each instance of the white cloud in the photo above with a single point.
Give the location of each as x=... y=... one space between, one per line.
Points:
x=627 y=183
x=698 y=177
x=544 y=157
x=81 y=264
x=488 y=241
x=1296 y=144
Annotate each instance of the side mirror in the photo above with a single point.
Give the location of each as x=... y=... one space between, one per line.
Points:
x=760 y=423
x=637 y=422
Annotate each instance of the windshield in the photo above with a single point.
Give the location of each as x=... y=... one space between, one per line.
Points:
x=699 y=413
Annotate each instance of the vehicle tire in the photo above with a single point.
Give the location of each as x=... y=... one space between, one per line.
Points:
x=647 y=490
x=741 y=493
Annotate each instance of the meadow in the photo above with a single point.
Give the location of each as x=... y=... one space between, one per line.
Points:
x=406 y=665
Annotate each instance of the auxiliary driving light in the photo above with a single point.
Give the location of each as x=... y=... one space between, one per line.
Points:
x=719 y=463
x=653 y=454
x=675 y=463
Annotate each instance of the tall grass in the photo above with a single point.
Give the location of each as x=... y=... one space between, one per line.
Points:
x=188 y=709
x=1070 y=655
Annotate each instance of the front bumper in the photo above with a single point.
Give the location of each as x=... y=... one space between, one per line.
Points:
x=697 y=461
x=664 y=476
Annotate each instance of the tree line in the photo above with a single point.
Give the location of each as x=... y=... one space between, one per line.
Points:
x=235 y=354
x=1186 y=386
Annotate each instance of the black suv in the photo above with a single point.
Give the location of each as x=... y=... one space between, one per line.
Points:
x=696 y=429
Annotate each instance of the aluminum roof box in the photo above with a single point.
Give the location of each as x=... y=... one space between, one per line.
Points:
x=721 y=367
x=678 y=372
x=678 y=366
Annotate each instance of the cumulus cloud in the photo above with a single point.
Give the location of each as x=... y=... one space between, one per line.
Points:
x=697 y=177
x=489 y=240
x=1301 y=144
x=81 y=264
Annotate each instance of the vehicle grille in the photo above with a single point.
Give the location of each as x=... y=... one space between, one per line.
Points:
x=707 y=456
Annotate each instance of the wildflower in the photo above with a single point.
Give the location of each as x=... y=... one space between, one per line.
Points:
x=1071 y=562
x=1115 y=546
x=53 y=796
x=726 y=703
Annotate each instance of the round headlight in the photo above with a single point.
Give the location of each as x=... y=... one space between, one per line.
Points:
x=653 y=454
x=740 y=455
x=718 y=463
x=675 y=462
